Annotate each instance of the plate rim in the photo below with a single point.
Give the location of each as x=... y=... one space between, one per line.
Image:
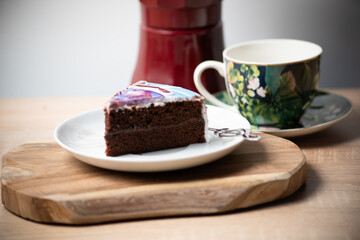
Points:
x=230 y=146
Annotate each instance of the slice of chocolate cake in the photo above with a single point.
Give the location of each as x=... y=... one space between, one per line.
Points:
x=148 y=117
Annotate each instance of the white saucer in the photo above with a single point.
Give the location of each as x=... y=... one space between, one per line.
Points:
x=83 y=137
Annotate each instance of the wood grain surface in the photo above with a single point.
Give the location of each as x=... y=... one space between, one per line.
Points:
x=327 y=206
x=42 y=182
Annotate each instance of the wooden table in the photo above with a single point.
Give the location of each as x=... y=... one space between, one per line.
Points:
x=326 y=207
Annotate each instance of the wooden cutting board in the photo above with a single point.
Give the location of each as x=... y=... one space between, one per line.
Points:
x=42 y=182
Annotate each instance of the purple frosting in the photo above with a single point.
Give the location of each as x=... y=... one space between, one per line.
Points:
x=144 y=93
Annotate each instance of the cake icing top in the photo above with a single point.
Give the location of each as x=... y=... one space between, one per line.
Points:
x=144 y=93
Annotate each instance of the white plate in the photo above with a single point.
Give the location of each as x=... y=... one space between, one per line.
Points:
x=83 y=137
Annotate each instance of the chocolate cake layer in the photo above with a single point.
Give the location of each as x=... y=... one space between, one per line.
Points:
x=140 y=120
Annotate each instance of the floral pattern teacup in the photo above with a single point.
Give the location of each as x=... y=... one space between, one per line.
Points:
x=271 y=82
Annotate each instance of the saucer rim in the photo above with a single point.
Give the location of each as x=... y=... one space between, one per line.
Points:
x=302 y=131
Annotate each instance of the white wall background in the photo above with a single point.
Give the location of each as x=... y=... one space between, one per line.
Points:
x=89 y=47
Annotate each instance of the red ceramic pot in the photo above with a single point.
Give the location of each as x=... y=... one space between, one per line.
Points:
x=176 y=36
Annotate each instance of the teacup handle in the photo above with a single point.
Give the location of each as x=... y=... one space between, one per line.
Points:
x=219 y=67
